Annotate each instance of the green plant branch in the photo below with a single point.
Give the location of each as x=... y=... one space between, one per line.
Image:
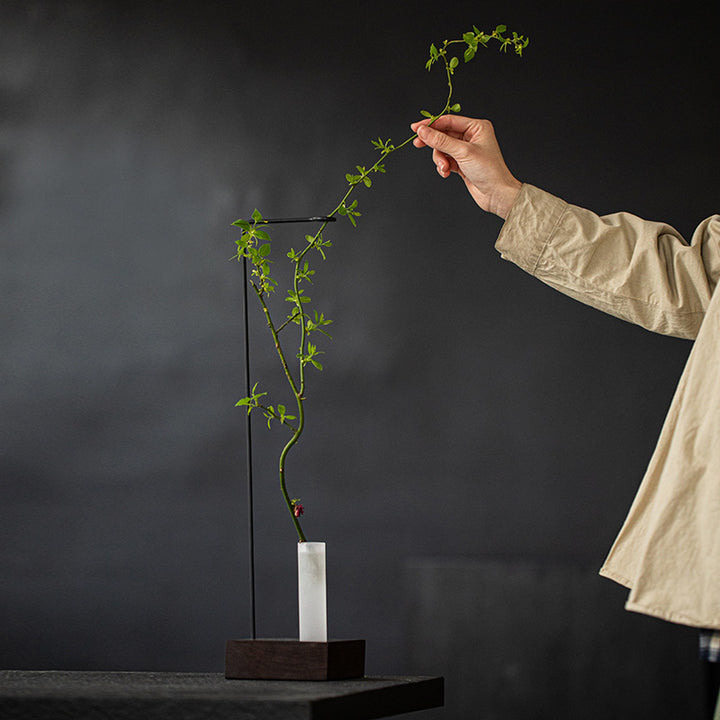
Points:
x=290 y=319
x=278 y=346
x=281 y=469
x=270 y=413
x=254 y=244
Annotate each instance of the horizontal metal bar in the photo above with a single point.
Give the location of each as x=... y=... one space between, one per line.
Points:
x=315 y=218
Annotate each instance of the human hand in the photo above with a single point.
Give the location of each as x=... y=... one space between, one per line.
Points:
x=469 y=148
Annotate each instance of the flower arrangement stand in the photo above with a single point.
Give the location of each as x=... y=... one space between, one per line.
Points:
x=312 y=657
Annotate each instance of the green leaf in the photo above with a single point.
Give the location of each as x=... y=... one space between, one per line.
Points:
x=454 y=63
x=256 y=216
x=469 y=54
x=455 y=108
x=251 y=401
x=261 y=235
x=264 y=250
x=426 y=114
x=367 y=181
x=244 y=224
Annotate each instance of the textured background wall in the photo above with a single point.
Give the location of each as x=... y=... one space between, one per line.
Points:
x=465 y=410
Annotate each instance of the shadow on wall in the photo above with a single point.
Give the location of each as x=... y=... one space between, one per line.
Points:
x=517 y=640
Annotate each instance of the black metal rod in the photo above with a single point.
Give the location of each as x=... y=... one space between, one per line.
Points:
x=315 y=218
x=248 y=435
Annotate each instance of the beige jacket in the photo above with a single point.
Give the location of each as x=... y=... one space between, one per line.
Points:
x=668 y=550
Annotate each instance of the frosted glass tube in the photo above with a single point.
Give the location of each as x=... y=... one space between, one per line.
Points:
x=312 y=592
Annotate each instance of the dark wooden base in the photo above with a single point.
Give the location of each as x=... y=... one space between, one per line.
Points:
x=294 y=660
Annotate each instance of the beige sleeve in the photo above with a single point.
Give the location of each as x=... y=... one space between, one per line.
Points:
x=643 y=272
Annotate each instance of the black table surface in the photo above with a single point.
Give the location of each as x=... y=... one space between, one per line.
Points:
x=52 y=695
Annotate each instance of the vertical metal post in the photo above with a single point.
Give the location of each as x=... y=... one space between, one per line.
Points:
x=248 y=435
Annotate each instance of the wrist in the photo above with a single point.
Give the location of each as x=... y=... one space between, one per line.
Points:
x=504 y=199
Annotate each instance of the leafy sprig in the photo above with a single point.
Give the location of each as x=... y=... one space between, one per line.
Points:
x=254 y=245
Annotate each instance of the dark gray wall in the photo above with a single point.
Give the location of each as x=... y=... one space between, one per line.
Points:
x=465 y=410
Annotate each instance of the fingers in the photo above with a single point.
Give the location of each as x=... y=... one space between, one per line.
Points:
x=453 y=124
x=445 y=122
x=417 y=142
x=442 y=142
x=417 y=126
x=445 y=143
x=443 y=163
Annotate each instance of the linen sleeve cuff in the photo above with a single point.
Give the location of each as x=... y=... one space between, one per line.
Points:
x=529 y=226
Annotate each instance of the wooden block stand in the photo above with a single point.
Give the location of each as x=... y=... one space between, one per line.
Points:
x=294 y=660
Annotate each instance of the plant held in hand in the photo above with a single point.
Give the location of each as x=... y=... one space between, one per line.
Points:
x=254 y=245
